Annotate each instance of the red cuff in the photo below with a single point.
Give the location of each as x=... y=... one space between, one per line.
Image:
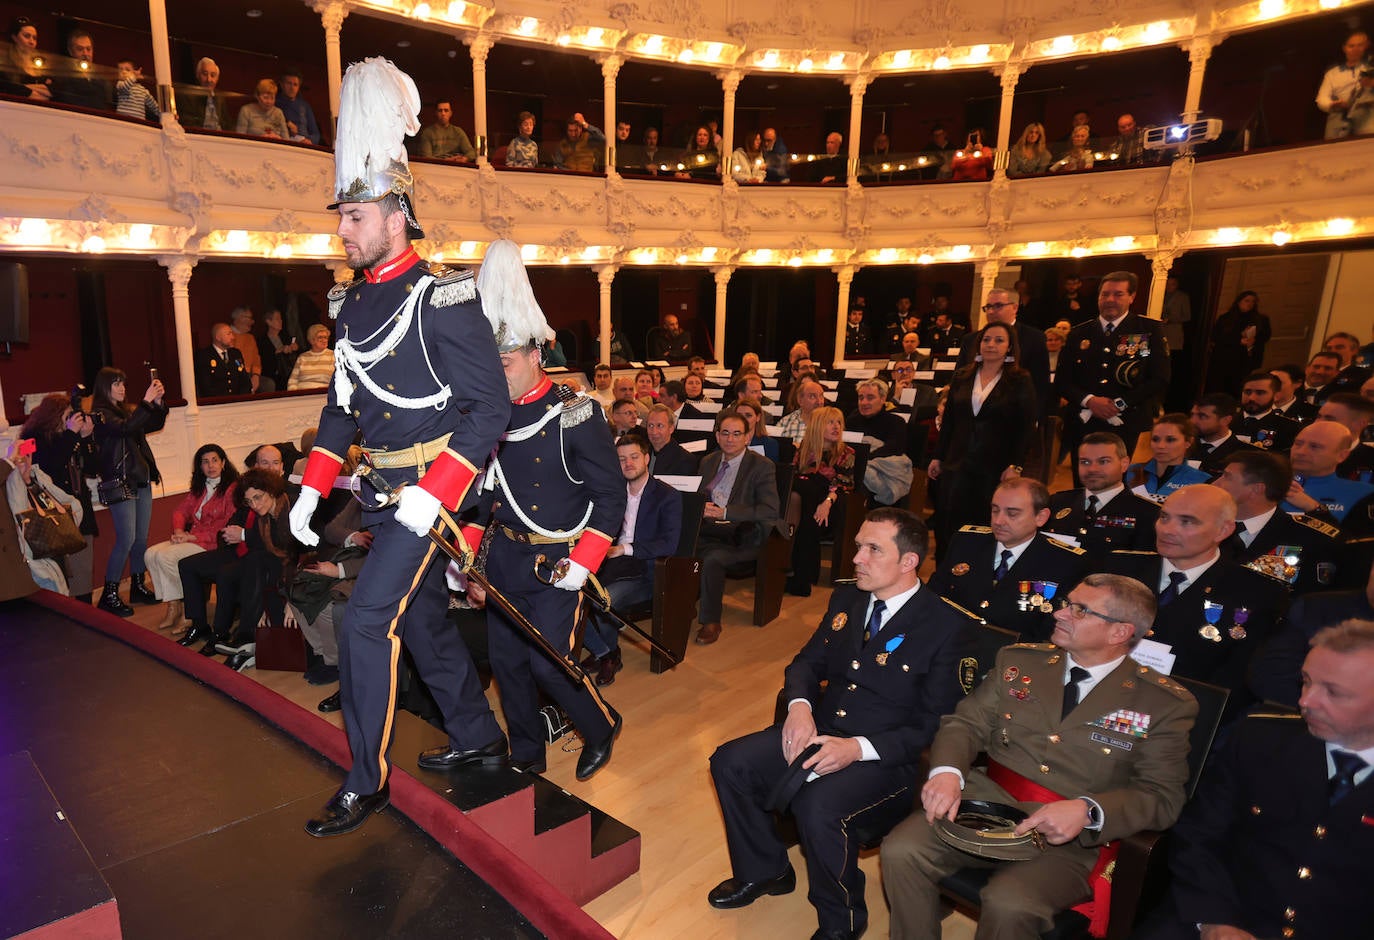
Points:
x=472 y=535
x=448 y=479
x=321 y=470
x=591 y=549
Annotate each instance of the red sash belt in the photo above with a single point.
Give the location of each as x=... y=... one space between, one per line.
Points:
x=1097 y=910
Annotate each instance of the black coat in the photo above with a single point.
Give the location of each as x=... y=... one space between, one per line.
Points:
x=218 y=376
x=999 y=435
x=1275 y=431
x=1127 y=521
x=1213 y=461
x=1276 y=670
x=673 y=460
x=124 y=450
x=1035 y=359
x=1091 y=364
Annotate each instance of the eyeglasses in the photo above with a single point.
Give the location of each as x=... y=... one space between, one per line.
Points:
x=1078 y=611
x=988 y=308
x=725 y=433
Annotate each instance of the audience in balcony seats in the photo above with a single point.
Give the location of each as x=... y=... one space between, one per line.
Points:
x=890 y=336
x=622 y=139
x=28 y=487
x=300 y=117
x=1238 y=340
x=1129 y=145
x=833 y=167
x=776 y=157
x=940 y=151
x=314 y=368
x=742 y=506
x=580 y=148
x=278 y=350
x=1171 y=437
x=444 y=140
x=651 y=156
x=19 y=76
x=219 y=367
x=1079 y=156
x=1076 y=304
x=1341 y=84
x=880 y=154
x=241 y=319
x=202 y=513
x=1032 y=309
x=858 y=342
x=523 y=150
x=974 y=160
x=131 y=98
x=747 y=163
x=1079 y=119
x=80 y=82
x=701 y=160
x=666 y=456
x=650 y=530
x=1360 y=113
x=261 y=117
x=1030 y=155
x=623 y=416
x=201 y=105
x=621 y=351
x=671 y=341
x=943 y=332
x=753 y=412
x=824 y=478
x=65 y=450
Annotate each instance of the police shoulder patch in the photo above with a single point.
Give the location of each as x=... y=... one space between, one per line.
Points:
x=1316 y=525
x=1064 y=546
x=451 y=285
x=979 y=529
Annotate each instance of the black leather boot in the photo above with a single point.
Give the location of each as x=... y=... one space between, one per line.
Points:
x=110 y=601
x=139 y=593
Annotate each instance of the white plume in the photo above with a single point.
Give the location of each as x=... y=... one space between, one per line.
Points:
x=379 y=106
x=507 y=298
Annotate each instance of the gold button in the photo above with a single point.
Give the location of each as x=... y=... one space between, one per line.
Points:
x=1289 y=932
x=389 y=386
x=1044 y=768
x=541 y=433
x=538 y=460
x=905 y=668
x=1255 y=810
x=1319 y=832
x=984 y=604
x=1054 y=739
x=852 y=687
x=840 y=713
x=854 y=664
x=386 y=415
x=548 y=407
x=392 y=353
x=1289 y=914
x=1007 y=716
x=1305 y=873
x=534 y=508
x=357 y=413
x=409 y=288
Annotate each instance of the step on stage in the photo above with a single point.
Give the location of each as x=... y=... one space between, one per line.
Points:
x=134 y=796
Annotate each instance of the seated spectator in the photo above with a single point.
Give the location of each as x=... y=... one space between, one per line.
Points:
x=674 y=395
x=1079 y=155
x=1317 y=489
x=523 y=150
x=621 y=351
x=132 y=99
x=749 y=387
x=825 y=476
x=19 y=75
x=650 y=531
x=742 y=506
x=219 y=367
x=885 y=432
x=580 y=149
x=278 y=350
x=266 y=457
x=752 y=412
x=1287 y=401
x=666 y=456
x=1212 y=416
x=810 y=396
x=623 y=389
x=943 y=332
x=974 y=160
x=1129 y=146
x=1102 y=514
x=196 y=523
x=28 y=487
x=601 y=382
x=652 y=156
x=833 y=166
x=1353 y=373
x=700 y=160
x=444 y=140
x=1355 y=413
x=1341 y=84
x=747 y=163
x=671 y=341
x=261 y=117
x=201 y=105
x=624 y=416
x=646 y=387
x=82 y=85
x=776 y=157
x=1261 y=424
x=314 y=368
x=241 y=319
x=300 y=117
x=694 y=386
x=1030 y=155
x=939 y=151
x=1168 y=468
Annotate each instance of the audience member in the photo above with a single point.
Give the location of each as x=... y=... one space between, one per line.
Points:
x=29 y=488
x=1238 y=340
x=1129 y=146
x=624 y=416
x=857 y=341
x=1167 y=469
x=651 y=153
x=759 y=440
x=580 y=148
x=694 y=387
x=1102 y=514
x=1318 y=380
x=1354 y=413
x=671 y=341
x=888 y=474
x=202 y=105
x=666 y=456
x=241 y=319
x=973 y=161
x=1317 y=452
x=775 y=157
x=261 y=117
x=219 y=366
x=747 y=163
x=132 y=99
x=1030 y=155
x=939 y=150
x=19 y=75
x=314 y=368
x=65 y=450
x=674 y=395
x=444 y=140
x=833 y=165
x=523 y=150
x=1261 y=424
x=623 y=389
x=1341 y=83
x=1353 y=373
x=1286 y=400
x=810 y=395
x=82 y=85
x=300 y=117
x=318 y=595
x=1212 y=417
x=1076 y=305
x=701 y=159
x=601 y=384
x=1054 y=345
x=943 y=333
x=824 y=477
x=1004 y=306
x=1079 y=156
x=621 y=351
x=1177 y=311
x=279 y=351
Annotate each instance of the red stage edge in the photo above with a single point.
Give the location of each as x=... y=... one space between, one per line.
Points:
x=552 y=913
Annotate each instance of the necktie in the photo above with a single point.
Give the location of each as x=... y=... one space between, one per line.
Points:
x=1238 y=540
x=1111 y=330
x=1170 y=593
x=717 y=480
x=1076 y=675
x=875 y=620
x=1093 y=506
x=1343 y=780
x=1002 y=566
x=211 y=113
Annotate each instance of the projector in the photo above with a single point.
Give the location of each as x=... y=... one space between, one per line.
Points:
x=1168 y=136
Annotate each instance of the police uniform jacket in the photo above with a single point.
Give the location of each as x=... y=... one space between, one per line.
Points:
x=1359 y=465
x=1244 y=606
x=1126 y=521
x=1275 y=431
x=1263 y=850
x=1132 y=365
x=1298 y=550
x=891 y=690
x=1213 y=459
x=219 y=375
x=1021 y=601
x=1336 y=494
x=1125 y=745
x=857 y=342
x=1298 y=409
x=1276 y=670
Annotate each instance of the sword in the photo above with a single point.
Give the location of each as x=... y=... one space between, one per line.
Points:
x=597 y=594
x=463 y=555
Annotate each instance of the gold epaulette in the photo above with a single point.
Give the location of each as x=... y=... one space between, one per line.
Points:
x=977 y=529
x=1041 y=647
x=963 y=610
x=1065 y=546
x=1316 y=525
x=337 y=294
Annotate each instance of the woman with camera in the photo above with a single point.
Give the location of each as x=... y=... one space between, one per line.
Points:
x=64 y=442
x=127 y=473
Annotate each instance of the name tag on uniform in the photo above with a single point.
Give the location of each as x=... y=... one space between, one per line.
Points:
x=1101 y=738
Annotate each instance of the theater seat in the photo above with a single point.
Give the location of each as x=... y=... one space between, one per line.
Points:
x=677 y=585
x=769 y=570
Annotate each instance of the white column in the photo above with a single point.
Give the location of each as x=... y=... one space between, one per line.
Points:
x=722 y=284
x=162 y=54
x=846 y=278
x=332 y=14
x=986 y=272
x=610 y=67
x=478 y=49
x=1161 y=263
x=729 y=81
x=179 y=269
x=857 y=86
x=1011 y=74
x=1199 y=51
x=605 y=275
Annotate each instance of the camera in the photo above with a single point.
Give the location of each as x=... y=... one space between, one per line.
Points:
x=78 y=394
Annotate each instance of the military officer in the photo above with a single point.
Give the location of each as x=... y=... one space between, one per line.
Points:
x=1261 y=424
x=418 y=376
x=1114 y=369
x=1298 y=550
x=1009 y=573
x=1276 y=841
x=1093 y=745
x=555 y=489
x=1317 y=490
x=1213 y=613
x=1103 y=514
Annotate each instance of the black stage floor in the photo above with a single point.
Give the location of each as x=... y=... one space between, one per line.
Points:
x=192 y=807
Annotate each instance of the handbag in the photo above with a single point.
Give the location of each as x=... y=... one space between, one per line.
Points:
x=49 y=529
x=114 y=491
x=280 y=648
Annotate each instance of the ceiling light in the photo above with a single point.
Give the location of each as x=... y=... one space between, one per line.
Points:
x=925 y=257
x=805 y=65
x=94 y=244
x=1078 y=251
x=1281 y=237
x=1268 y=9
x=1339 y=226
x=456 y=9
x=528 y=25
x=653 y=45
x=901 y=59
x=421 y=11
x=979 y=53
x=1063 y=45
x=1111 y=43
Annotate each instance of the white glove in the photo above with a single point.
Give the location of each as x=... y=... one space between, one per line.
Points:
x=574 y=579
x=301 y=513
x=457 y=579
x=417 y=510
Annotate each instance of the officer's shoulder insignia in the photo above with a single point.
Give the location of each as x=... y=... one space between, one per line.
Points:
x=451 y=285
x=577 y=407
x=1161 y=681
x=337 y=294
x=1272 y=716
x=963 y=610
x=1064 y=546
x=977 y=529
x=1131 y=551
x=1037 y=647
x=1316 y=525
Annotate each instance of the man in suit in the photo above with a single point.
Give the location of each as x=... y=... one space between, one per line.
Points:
x=1299 y=550
x=1096 y=744
x=742 y=505
x=1275 y=842
x=201 y=105
x=674 y=395
x=666 y=456
x=1114 y=368
x=887 y=652
x=650 y=530
x=1008 y=573
x=1355 y=413
x=1213 y=612
x=1102 y=514
x=219 y=366
x=1261 y=424
x=1003 y=306
x=1212 y=417
x=1286 y=400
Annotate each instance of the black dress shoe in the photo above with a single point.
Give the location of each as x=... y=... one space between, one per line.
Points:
x=198 y=633
x=733 y=893
x=235 y=645
x=242 y=660
x=347 y=811
x=840 y=934
x=446 y=757
x=211 y=647
x=595 y=757
x=536 y=765
x=331 y=704
x=608 y=666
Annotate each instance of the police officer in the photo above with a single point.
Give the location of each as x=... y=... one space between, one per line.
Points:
x=1114 y=368
x=1009 y=573
x=1317 y=490
x=1261 y=424
x=554 y=489
x=1103 y=515
x=1212 y=417
x=417 y=374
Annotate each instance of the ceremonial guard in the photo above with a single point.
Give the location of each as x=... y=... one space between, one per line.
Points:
x=554 y=489
x=419 y=378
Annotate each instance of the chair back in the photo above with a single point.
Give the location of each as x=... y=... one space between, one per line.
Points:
x=693 y=508
x=1211 y=702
